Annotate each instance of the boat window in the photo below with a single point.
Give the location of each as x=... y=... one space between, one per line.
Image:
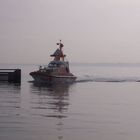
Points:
x=56 y=64
x=52 y=65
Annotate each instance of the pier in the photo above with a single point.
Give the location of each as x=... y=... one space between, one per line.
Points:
x=10 y=75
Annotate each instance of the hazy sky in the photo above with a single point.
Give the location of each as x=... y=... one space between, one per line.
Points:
x=91 y=30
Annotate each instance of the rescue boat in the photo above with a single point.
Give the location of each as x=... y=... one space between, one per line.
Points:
x=57 y=71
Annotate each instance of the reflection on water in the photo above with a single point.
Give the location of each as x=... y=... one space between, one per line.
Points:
x=9 y=109
x=33 y=111
x=53 y=99
x=9 y=99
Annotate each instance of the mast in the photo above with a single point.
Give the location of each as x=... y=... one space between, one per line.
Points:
x=58 y=54
x=61 y=51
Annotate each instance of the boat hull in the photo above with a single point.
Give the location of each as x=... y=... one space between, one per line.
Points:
x=53 y=78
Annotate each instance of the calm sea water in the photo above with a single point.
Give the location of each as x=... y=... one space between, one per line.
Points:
x=104 y=104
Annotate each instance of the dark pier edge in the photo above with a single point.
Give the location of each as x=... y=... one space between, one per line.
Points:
x=15 y=77
x=10 y=75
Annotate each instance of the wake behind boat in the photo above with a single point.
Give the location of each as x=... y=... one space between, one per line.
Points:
x=57 y=70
